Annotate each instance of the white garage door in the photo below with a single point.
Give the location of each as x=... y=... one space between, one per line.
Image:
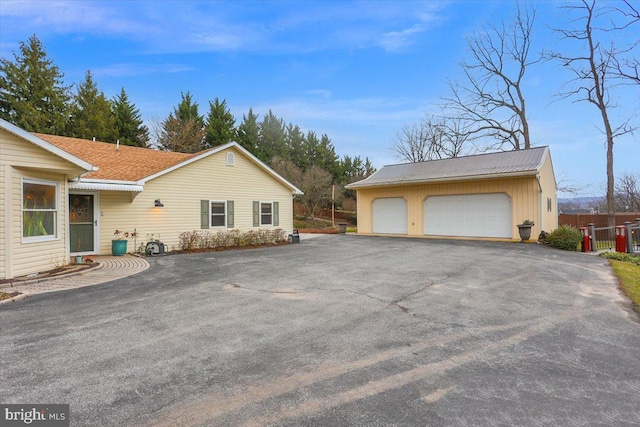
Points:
x=390 y=216
x=469 y=215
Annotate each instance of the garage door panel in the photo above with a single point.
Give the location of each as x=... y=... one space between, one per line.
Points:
x=469 y=215
x=390 y=215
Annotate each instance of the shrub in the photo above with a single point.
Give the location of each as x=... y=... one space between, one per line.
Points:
x=204 y=239
x=619 y=256
x=565 y=237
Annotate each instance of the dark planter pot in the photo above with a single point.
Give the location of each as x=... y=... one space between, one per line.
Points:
x=525 y=232
x=118 y=247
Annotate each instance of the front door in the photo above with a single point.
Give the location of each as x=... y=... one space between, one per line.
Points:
x=83 y=223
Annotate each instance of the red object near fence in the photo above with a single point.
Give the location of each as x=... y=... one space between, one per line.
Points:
x=621 y=239
x=586 y=239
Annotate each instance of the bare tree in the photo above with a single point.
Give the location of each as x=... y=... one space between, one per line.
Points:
x=184 y=136
x=568 y=185
x=591 y=82
x=316 y=185
x=628 y=193
x=491 y=98
x=625 y=64
x=288 y=170
x=432 y=138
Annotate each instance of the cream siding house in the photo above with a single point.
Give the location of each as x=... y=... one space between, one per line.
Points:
x=34 y=178
x=182 y=191
x=483 y=196
x=102 y=187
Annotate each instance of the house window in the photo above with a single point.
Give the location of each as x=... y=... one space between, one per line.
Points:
x=549 y=207
x=231 y=159
x=39 y=210
x=218 y=214
x=266 y=213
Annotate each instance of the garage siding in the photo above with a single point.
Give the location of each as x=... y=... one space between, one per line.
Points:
x=549 y=220
x=524 y=193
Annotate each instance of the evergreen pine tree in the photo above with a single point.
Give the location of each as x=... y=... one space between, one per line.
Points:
x=129 y=126
x=295 y=142
x=188 y=110
x=248 y=133
x=91 y=113
x=271 y=142
x=220 y=126
x=32 y=93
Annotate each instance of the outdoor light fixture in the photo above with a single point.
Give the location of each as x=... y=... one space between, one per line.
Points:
x=158 y=204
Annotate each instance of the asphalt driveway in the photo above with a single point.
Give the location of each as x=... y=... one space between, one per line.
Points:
x=338 y=330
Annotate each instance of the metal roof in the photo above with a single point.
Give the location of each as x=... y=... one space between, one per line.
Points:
x=480 y=166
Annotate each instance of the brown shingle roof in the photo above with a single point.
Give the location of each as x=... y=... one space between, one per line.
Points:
x=508 y=163
x=125 y=164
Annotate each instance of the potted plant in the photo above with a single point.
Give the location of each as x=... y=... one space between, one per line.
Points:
x=119 y=242
x=525 y=230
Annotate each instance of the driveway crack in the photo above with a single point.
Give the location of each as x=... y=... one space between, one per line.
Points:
x=351 y=291
x=235 y=285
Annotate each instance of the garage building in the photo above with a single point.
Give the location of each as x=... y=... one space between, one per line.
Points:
x=482 y=196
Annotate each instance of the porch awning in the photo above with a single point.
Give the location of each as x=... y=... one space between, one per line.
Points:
x=105 y=186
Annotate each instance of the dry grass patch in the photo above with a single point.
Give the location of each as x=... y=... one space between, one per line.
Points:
x=8 y=295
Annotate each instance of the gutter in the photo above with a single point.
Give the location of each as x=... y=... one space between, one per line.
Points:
x=357 y=186
x=106 y=186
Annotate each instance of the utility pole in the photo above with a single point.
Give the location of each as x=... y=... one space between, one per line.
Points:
x=333 y=205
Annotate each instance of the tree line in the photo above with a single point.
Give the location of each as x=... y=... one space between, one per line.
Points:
x=33 y=96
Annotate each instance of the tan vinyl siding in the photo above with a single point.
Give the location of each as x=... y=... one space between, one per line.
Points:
x=524 y=193
x=548 y=183
x=19 y=153
x=22 y=159
x=181 y=192
x=33 y=257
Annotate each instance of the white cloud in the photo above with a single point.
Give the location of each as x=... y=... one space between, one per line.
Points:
x=67 y=17
x=217 y=41
x=188 y=26
x=133 y=69
x=396 y=40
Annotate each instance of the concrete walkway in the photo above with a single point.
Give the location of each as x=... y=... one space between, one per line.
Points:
x=109 y=268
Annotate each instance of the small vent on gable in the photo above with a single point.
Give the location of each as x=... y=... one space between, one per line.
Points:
x=231 y=159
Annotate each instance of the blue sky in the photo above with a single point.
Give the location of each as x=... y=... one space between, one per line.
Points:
x=357 y=71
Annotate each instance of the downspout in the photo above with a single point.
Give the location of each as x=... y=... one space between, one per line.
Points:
x=293 y=211
x=8 y=217
x=67 y=227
